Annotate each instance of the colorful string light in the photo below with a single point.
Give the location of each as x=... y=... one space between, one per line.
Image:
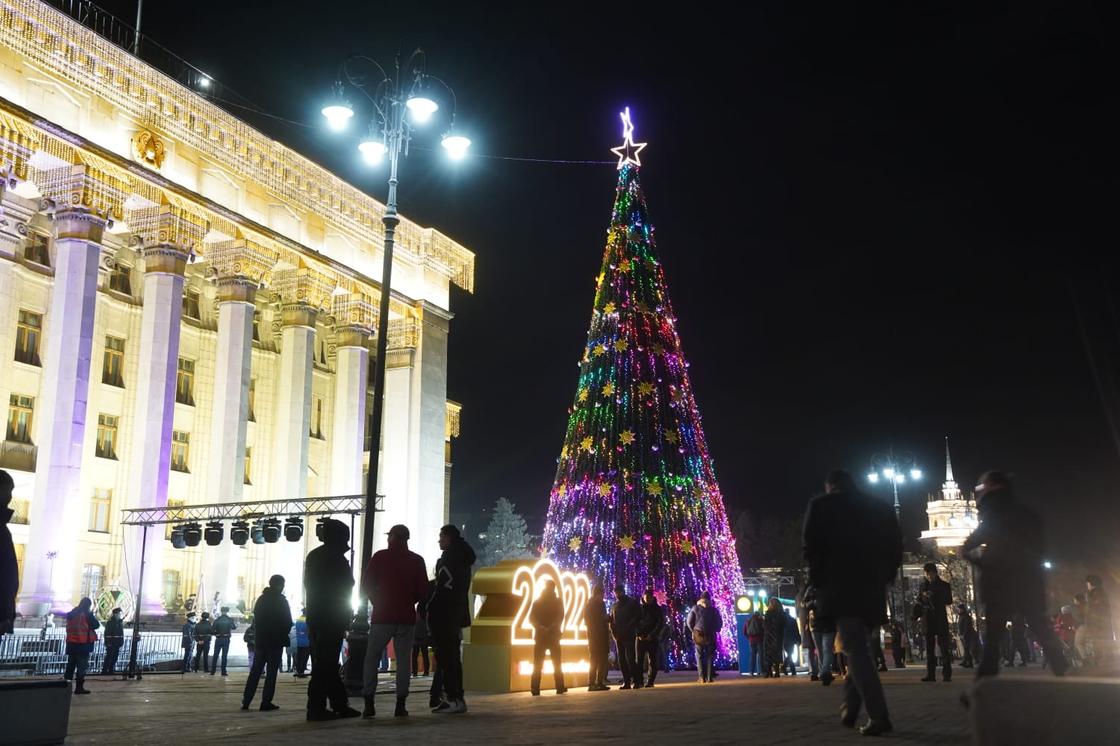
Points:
x=635 y=498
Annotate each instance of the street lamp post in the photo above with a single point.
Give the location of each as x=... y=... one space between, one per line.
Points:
x=397 y=105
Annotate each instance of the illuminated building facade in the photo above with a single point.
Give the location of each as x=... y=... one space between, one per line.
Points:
x=186 y=312
x=952 y=517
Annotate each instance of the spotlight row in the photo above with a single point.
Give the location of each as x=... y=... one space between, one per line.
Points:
x=260 y=531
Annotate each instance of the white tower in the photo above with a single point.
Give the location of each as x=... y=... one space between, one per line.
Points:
x=952 y=517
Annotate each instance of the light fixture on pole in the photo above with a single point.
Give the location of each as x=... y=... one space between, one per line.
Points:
x=398 y=103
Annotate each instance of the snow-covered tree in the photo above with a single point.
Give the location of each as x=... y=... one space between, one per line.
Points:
x=506 y=537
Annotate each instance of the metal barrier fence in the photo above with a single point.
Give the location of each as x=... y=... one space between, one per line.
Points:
x=45 y=655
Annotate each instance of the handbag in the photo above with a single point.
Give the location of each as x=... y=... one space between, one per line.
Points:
x=700 y=638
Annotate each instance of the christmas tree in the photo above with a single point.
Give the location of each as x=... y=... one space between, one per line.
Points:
x=506 y=536
x=635 y=499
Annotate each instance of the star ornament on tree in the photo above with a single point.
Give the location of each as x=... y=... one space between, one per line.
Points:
x=628 y=151
x=574 y=543
x=626 y=542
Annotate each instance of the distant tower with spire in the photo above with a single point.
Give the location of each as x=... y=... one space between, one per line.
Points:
x=952 y=517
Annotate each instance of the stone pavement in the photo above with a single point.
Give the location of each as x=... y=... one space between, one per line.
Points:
x=199 y=708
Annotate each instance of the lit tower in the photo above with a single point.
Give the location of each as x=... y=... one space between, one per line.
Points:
x=952 y=517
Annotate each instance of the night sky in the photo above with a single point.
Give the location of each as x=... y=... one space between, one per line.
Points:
x=878 y=225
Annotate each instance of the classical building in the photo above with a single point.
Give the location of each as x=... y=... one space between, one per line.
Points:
x=952 y=516
x=186 y=310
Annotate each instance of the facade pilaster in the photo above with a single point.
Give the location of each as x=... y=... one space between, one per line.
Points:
x=354 y=317
x=427 y=485
x=57 y=506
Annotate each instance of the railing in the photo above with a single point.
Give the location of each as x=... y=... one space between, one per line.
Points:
x=45 y=655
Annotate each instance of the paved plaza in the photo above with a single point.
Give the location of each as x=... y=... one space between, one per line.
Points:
x=202 y=709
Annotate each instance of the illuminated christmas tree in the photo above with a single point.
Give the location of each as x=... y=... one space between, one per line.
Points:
x=635 y=498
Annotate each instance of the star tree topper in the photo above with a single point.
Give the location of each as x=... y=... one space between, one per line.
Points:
x=628 y=151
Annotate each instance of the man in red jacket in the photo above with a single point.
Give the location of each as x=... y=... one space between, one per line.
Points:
x=394 y=581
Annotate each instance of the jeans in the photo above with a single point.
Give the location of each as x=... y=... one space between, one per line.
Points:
x=303 y=653
x=379 y=636
x=599 y=650
x=76 y=662
x=825 y=641
x=552 y=645
x=449 y=664
x=221 y=647
x=942 y=640
x=758 y=657
x=326 y=679
x=788 y=662
x=862 y=685
x=647 y=650
x=814 y=663
x=265 y=657
x=187 y=658
x=420 y=649
x=705 y=659
x=202 y=654
x=111 y=653
x=625 y=648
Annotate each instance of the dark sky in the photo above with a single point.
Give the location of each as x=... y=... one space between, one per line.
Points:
x=873 y=220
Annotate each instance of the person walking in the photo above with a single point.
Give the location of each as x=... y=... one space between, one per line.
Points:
x=651 y=621
x=251 y=641
x=303 y=645
x=898 y=644
x=1099 y=632
x=114 y=641
x=853 y=546
x=395 y=581
x=755 y=632
x=223 y=632
x=624 y=629
x=9 y=565
x=774 y=633
x=188 y=641
x=598 y=639
x=547 y=617
x=1007 y=549
x=823 y=630
x=80 y=638
x=328 y=584
x=448 y=613
x=273 y=619
x=966 y=629
x=203 y=632
x=809 y=645
x=420 y=639
x=791 y=638
x=934 y=598
x=705 y=623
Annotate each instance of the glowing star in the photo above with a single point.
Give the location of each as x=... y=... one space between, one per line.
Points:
x=658 y=349
x=626 y=542
x=672 y=437
x=583 y=394
x=628 y=151
x=624 y=265
x=627 y=437
x=608 y=388
x=574 y=543
x=585 y=444
x=563 y=491
x=564 y=451
x=686 y=545
x=604 y=490
x=621 y=345
x=609 y=308
x=600 y=349
x=645 y=388
x=655 y=489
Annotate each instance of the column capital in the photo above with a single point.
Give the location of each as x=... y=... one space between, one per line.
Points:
x=87 y=188
x=354 y=313
x=303 y=286
x=351 y=336
x=240 y=267
x=236 y=289
x=78 y=222
x=168 y=225
x=298 y=314
x=165 y=258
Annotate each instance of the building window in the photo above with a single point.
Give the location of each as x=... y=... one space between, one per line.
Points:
x=37 y=249
x=184 y=382
x=113 y=366
x=190 y=305
x=20 y=411
x=99 y=509
x=106 y=436
x=120 y=279
x=171 y=588
x=317 y=419
x=248 y=465
x=180 y=450
x=21 y=512
x=91 y=579
x=28 y=332
x=252 y=398
x=256 y=326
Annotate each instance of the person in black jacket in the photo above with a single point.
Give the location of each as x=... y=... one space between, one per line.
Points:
x=791 y=638
x=114 y=640
x=624 y=628
x=328 y=582
x=966 y=628
x=1007 y=549
x=223 y=632
x=203 y=633
x=934 y=597
x=774 y=634
x=547 y=616
x=853 y=546
x=598 y=639
x=9 y=567
x=273 y=619
x=448 y=613
x=651 y=620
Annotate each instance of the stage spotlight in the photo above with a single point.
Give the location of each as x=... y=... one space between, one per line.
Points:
x=271 y=530
x=293 y=528
x=258 y=532
x=192 y=534
x=239 y=532
x=214 y=533
x=177 y=539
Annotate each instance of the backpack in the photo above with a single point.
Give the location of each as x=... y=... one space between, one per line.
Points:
x=754 y=626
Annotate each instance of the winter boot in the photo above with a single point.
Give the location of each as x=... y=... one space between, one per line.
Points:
x=400 y=711
x=80 y=687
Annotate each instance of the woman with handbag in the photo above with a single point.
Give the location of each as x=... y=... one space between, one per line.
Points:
x=704 y=622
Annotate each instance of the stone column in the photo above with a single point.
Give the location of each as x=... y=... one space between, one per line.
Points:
x=349 y=422
x=428 y=497
x=150 y=458
x=58 y=508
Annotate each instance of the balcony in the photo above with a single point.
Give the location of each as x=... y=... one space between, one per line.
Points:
x=17 y=456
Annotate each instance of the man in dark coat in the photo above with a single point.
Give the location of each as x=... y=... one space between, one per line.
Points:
x=9 y=568
x=598 y=639
x=650 y=622
x=203 y=633
x=448 y=613
x=547 y=616
x=624 y=628
x=328 y=583
x=934 y=598
x=1007 y=549
x=223 y=631
x=188 y=640
x=966 y=628
x=853 y=545
x=114 y=640
x=791 y=638
x=273 y=619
